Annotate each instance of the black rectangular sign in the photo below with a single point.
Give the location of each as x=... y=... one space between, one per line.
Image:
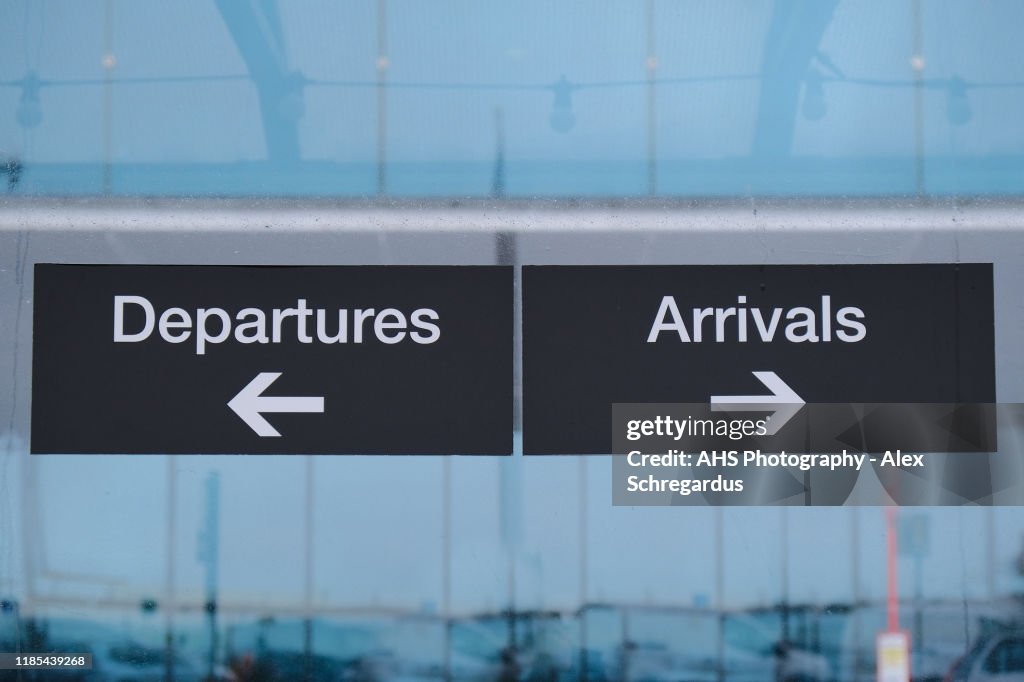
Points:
x=742 y=334
x=250 y=359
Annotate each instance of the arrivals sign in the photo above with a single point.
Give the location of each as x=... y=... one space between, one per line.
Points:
x=756 y=339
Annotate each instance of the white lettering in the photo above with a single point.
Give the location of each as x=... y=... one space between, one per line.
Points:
x=119 y=334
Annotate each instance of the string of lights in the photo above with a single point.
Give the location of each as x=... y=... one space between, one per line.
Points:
x=32 y=79
x=29 y=112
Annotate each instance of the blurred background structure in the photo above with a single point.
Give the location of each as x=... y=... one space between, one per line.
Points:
x=401 y=99
x=258 y=568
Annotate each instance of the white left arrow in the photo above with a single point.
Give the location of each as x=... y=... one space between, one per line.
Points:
x=783 y=402
x=250 y=404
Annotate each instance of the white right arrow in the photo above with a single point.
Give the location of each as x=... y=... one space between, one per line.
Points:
x=250 y=403
x=784 y=403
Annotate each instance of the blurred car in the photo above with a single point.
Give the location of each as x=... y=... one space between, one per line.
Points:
x=275 y=650
x=996 y=657
x=129 y=661
x=656 y=662
x=544 y=649
x=947 y=631
x=756 y=651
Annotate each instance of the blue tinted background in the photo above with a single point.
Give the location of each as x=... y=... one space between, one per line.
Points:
x=404 y=98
